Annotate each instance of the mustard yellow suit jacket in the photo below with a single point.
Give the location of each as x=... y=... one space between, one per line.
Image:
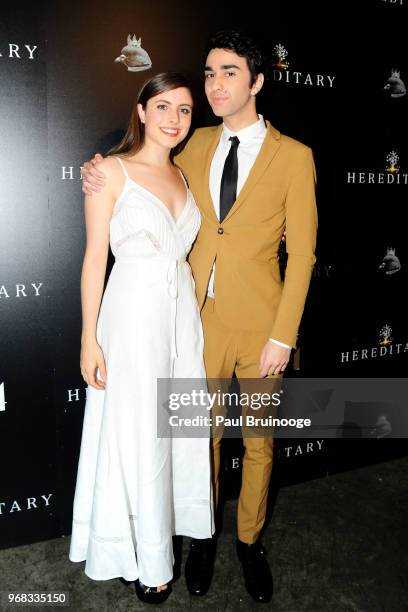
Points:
x=279 y=194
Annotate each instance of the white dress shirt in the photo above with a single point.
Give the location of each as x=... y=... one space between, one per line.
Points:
x=250 y=142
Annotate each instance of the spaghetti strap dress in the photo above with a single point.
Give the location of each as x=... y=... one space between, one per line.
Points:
x=135 y=490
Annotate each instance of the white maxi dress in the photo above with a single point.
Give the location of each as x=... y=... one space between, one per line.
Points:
x=133 y=489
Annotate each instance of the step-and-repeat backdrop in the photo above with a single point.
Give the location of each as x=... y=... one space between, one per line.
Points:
x=337 y=81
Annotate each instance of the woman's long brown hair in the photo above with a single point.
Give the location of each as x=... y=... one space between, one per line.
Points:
x=133 y=139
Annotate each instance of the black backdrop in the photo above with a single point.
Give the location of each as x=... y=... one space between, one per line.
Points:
x=63 y=98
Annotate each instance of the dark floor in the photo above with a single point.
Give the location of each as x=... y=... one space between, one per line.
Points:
x=335 y=544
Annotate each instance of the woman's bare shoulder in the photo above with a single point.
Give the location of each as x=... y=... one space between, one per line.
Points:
x=109 y=164
x=114 y=175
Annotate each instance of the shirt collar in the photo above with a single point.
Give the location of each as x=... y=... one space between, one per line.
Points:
x=246 y=134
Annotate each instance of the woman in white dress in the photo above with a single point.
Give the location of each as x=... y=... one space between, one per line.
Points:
x=134 y=490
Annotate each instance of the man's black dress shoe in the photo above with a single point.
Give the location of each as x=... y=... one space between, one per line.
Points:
x=200 y=565
x=151 y=594
x=257 y=575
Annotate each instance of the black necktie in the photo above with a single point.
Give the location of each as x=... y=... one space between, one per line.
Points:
x=228 y=193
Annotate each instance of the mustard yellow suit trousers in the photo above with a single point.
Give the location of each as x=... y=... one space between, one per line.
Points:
x=227 y=351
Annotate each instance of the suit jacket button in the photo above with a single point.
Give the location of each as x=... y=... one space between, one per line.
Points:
x=220 y=230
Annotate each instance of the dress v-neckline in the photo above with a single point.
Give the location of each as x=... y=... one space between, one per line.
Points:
x=175 y=221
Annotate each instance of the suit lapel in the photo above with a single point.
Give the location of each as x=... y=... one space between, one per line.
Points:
x=206 y=202
x=267 y=152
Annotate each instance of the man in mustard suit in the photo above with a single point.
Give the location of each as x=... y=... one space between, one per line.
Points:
x=252 y=184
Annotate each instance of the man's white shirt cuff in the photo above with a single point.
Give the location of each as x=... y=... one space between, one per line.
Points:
x=280 y=343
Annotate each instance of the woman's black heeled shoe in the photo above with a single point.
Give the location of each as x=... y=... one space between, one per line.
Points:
x=125 y=582
x=151 y=594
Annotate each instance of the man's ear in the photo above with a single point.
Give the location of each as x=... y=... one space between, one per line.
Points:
x=141 y=113
x=257 y=86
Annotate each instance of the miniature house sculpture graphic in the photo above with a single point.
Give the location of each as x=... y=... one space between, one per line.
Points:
x=133 y=56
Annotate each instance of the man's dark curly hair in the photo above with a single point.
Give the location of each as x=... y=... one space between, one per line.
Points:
x=241 y=44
